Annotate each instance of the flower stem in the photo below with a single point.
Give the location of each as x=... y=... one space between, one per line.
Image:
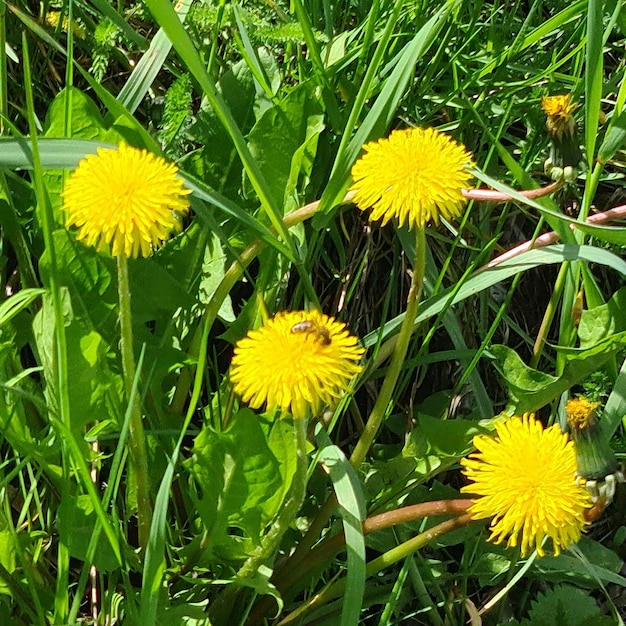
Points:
x=336 y=589
x=548 y=316
x=380 y=408
x=391 y=378
x=329 y=546
x=136 y=440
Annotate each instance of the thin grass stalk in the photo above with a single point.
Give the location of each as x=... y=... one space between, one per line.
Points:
x=137 y=439
x=61 y=599
x=69 y=66
x=4 y=101
x=336 y=589
x=549 y=314
x=112 y=487
x=404 y=336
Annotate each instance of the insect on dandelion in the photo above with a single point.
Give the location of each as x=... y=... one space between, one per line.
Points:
x=415 y=175
x=125 y=198
x=297 y=362
x=525 y=481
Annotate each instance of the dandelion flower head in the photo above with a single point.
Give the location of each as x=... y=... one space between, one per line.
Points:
x=125 y=198
x=559 y=110
x=297 y=362
x=525 y=478
x=415 y=175
x=581 y=413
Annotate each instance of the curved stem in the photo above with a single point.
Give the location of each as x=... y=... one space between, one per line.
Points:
x=404 y=336
x=136 y=439
x=330 y=546
x=549 y=314
x=616 y=213
x=336 y=589
x=491 y=195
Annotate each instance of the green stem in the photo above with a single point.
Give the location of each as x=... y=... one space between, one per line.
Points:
x=136 y=439
x=59 y=365
x=336 y=589
x=391 y=378
x=380 y=408
x=549 y=314
x=331 y=545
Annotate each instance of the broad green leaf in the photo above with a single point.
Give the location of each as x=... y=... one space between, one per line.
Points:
x=9 y=545
x=564 y=605
x=443 y=438
x=156 y=290
x=529 y=389
x=604 y=320
x=239 y=480
x=77 y=521
x=281 y=443
x=278 y=137
x=86 y=121
x=95 y=392
x=90 y=278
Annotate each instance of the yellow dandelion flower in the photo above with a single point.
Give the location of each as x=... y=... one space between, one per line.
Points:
x=526 y=480
x=127 y=198
x=415 y=175
x=581 y=413
x=298 y=361
x=559 y=110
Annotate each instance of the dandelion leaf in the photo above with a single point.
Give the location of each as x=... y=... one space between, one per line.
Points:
x=284 y=143
x=565 y=605
x=529 y=389
x=604 y=320
x=240 y=483
x=77 y=523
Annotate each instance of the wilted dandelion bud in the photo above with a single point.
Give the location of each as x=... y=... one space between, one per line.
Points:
x=598 y=469
x=565 y=156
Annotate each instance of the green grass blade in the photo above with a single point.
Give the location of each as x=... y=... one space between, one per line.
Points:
x=486 y=278
x=615 y=408
x=383 y=110
x=150 y=64
x=352 y=508
x=593 y=75
x=166 y=18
